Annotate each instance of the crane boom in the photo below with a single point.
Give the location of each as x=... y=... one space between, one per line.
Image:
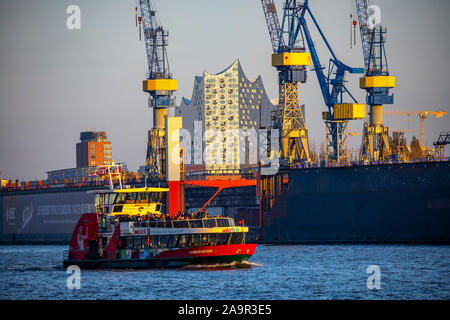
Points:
x=363 y=16
x=273 y=24
x=373 y=39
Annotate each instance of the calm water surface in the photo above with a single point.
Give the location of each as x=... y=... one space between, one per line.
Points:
x=274 y=272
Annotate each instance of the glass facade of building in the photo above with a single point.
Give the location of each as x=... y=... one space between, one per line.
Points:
x=228 y=105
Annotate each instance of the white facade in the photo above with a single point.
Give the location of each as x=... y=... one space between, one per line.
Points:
x=228 y=105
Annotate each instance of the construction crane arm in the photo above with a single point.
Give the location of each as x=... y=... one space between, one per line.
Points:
x=273 y=24
x=155 y=42
x=438 y=114
x=363 y=16
x=372 y=40
x=422 y=116
x=331 y=88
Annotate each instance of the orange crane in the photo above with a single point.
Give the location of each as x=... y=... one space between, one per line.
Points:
x=422 y=116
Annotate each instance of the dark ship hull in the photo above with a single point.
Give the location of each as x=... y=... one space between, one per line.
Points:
x=376 y=203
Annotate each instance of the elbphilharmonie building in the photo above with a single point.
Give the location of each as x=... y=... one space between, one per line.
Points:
x=224 y=111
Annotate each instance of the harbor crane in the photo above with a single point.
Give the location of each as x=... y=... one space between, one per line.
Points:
x=290 y=59
x=439 y=145
x=422 y=116
x=377 y=82
x=159 y=84
x=333 y=88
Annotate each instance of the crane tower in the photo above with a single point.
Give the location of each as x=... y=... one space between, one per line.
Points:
x=377 y=82
x=290 y=59
x=159 y=84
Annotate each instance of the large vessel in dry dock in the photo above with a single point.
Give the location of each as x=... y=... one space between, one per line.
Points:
x=391 y=202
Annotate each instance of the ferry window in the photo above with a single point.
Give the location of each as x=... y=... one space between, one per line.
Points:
x=140 y=197
x=173 y=241
x=158 y=207
x=237 y=238
x=210 y=223
x=163 y=241
x=111 y=198
x=129 y=242
x=120 y=198
x=137 y=242
x=204 y=239
x=222 y=238
x=153 y=241
x=130 y=197
x=222 y=223
x=183 y=240
x=117 y=208
x=212 y=239
x=195 y=240
x=144 y=241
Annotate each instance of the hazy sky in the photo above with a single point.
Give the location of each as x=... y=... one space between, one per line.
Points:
x=56 y=82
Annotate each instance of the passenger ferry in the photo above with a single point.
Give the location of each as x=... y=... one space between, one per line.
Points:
x=130 y=230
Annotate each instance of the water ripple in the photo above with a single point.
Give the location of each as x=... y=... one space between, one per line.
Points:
x=274 y=272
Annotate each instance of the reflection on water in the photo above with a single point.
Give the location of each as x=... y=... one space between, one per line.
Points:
x=222 y=266
x=274 y=272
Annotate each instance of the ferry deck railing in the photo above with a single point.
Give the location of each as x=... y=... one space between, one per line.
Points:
x=187 y=223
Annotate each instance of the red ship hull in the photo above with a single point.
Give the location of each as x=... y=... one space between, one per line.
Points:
x=206 y=255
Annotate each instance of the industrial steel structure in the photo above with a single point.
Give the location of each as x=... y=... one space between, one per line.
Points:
x=377 y=82
x=422 y=116
x=439 y=145
x=333 y=89
x=160 y=85
x=290 y=59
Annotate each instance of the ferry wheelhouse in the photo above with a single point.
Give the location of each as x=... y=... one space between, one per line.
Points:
x=130 y=230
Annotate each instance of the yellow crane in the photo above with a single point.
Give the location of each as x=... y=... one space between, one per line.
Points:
x=398 y=146
x=422 y=116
